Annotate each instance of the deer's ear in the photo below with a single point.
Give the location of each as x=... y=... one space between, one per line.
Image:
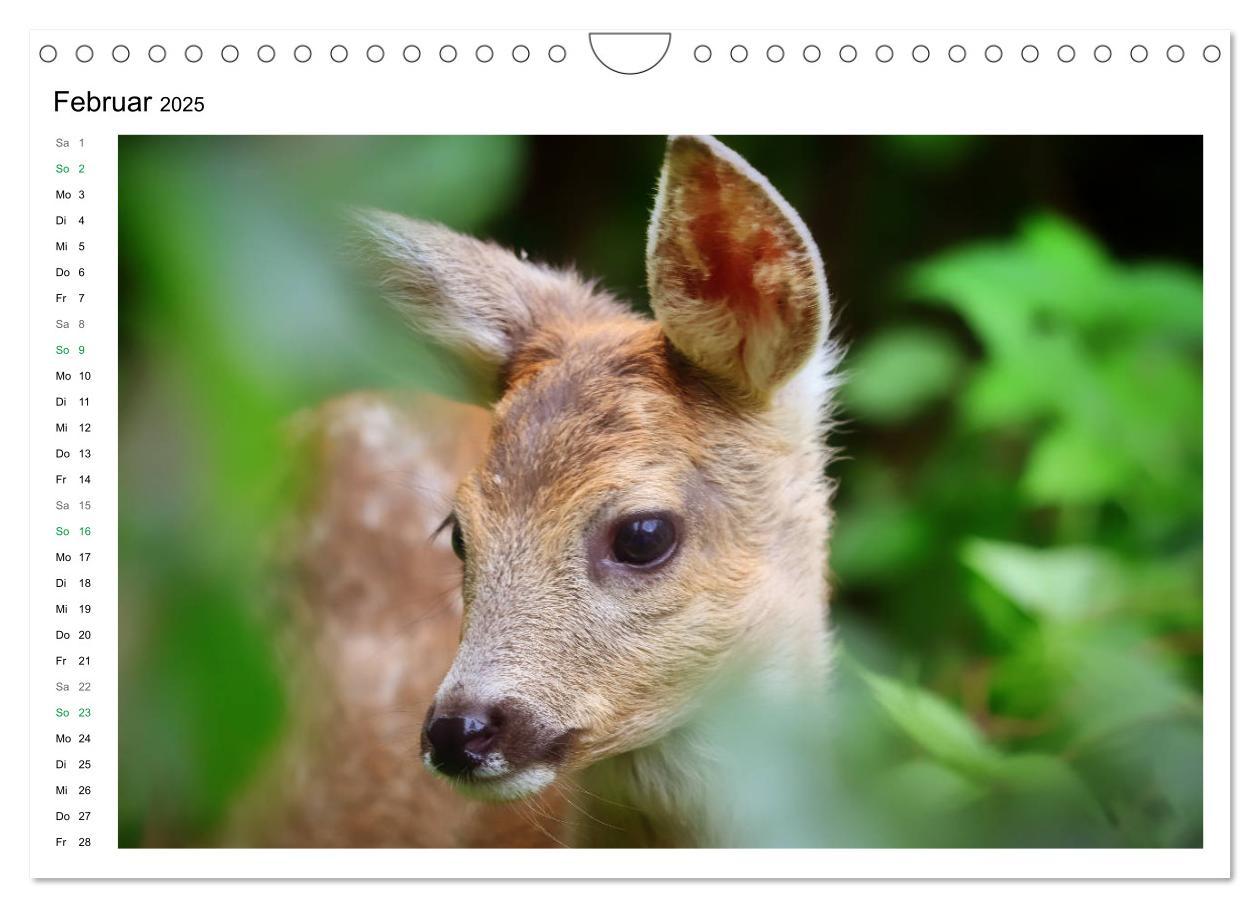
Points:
x=477 y=299
x=735 y=279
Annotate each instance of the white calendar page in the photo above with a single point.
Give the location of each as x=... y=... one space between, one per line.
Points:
x=198 y=297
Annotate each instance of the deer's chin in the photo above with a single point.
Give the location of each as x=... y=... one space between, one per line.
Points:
x=496 y=781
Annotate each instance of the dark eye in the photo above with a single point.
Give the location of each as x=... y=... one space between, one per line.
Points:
x=457 y=540
x=644 y=540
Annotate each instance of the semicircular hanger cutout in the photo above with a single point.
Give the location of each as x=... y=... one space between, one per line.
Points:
x=629 y=53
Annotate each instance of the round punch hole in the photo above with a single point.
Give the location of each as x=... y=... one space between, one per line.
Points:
x=775 y=53
x=1211 y=53
x=157 y=53
x=229 y=53
x=266 y=53
x=484 y=53
x=520 y=53
x=993 y=53
x=192 y=53
x=411 y=53
x=121 y=53
x=302 y=53
x=848 y=53
x=1176 y=53
x=338 y=53
x=812 y=53
x=703 y=53
x=447 y=53
x=957 y=53
x=375 y=53
x=556 y=53
x=48 y=53
x=920 y=53
x=883 y=53
x=1138 y=53
x=1102 y=53
x=1067 y=53
x=83 y=53
x=739 y=53
x=1029 y=53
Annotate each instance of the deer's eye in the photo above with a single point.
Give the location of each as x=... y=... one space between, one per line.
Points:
x=644 y=540
x=457 y=540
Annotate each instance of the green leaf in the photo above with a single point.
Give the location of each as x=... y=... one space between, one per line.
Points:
x=1006 y=393
x=928 y=787
x=1119 y=678
x=1061 y=584
x=1161 y=297
x=897 y=374
x=1056 y=241
x=1068 y=466
x=1150 y=776
x=936 y=725
x=1042 y=801
x=1054 y=272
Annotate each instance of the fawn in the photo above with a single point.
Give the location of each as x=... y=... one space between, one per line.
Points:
x=645 y=509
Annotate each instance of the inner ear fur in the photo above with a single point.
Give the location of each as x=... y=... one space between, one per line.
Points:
x=735 y=278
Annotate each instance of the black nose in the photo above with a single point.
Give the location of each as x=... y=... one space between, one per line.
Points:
x=459 y=744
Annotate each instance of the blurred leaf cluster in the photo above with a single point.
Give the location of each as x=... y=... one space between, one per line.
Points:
x=238 y=310
x=1017 y=542
x=1037 y=557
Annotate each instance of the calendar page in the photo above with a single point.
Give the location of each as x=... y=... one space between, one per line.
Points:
x=641 y=452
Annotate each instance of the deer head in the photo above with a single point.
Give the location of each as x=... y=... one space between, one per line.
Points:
x=652 y=504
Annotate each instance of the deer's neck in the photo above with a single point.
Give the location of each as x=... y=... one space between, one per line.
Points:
x=653 y=797
x=671 y=793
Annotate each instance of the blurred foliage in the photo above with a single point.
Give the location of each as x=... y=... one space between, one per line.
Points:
x=237 y=312
x=1057 y=514
x=1018 y=540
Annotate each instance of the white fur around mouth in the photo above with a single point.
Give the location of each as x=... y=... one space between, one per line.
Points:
x=495 y=780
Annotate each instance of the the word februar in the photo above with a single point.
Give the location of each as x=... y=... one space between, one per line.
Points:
x=92 y=103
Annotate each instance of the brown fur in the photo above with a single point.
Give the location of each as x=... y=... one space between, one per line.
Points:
x=373 y=608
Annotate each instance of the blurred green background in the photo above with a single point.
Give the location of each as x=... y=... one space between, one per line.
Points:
x=1018 y=540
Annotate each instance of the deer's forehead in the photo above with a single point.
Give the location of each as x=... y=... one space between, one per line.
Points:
x=593 y=418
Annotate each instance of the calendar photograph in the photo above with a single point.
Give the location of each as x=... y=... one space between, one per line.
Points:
x=621 y=491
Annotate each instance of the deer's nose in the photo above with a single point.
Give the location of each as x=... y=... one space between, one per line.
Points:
x=459 y=744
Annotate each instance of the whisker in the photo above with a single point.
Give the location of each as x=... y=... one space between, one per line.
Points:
x=590 y=794
x=564 y=796
x=522 y=809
